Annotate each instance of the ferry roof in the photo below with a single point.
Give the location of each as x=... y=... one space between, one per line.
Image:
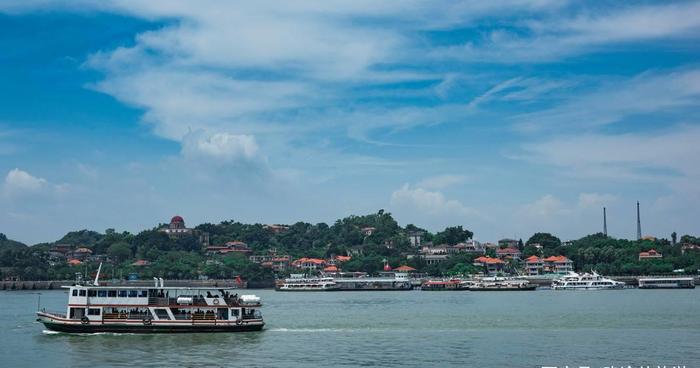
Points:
x=151 y=287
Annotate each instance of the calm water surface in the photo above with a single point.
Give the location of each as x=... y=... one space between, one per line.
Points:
x=392 y=329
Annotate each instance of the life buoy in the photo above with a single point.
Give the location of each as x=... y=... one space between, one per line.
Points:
x=147 y=321
x=84 y=320
x=215 y=301
x=238 y=322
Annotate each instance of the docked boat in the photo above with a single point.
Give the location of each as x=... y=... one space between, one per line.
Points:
x=94 y=308
x=585 y=281
x=445 y=285
x=501 y=284
x=385 y=281
x=666 y=283
x=303 y=283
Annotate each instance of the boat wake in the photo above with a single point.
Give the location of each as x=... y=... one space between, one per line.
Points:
x=312 y=329
x=49 y=332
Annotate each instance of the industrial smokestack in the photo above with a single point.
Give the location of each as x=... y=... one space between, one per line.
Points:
x=605 y=223
x=639 y=224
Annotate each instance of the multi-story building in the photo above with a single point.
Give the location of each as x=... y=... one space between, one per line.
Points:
x=491 y=265
x=509 y=252
x=415 y=238
x=558 y=265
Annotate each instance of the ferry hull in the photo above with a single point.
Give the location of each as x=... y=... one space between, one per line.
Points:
x=57 y=324
x=97 y=328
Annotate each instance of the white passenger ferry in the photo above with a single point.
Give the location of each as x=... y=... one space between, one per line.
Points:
x=586 y=281
x=303 y=283
x=93 y=308
x=666 y=283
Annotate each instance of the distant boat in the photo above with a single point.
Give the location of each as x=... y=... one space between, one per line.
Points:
x=586 y=281
x=445 y=285
x=501 y=284
x=666 y=283
x=302 y=283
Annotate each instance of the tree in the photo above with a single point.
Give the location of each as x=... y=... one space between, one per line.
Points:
x=546 y=240
x=673 y=238
x=119 y=251
x=453 y=235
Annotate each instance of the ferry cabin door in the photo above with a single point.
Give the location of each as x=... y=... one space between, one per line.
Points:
x=76 y=313
x=222 y=313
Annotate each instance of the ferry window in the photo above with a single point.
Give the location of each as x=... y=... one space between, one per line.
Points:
x=112 y=293
x=133 y=293
x=82 y=293
x=92 y=293
x=93 y=311
x=143 y=293
x=102 y=293
x=75 y=292
x=122 y=293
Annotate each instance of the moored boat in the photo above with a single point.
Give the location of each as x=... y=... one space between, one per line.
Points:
x=93 y=308
x=302 y=283
x=501 y=284
x=666 y=283
x=384 y=282
x=585 y=281
x=445 y=285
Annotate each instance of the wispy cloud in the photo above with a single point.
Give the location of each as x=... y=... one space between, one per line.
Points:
x=615 y=100
x=562 y=35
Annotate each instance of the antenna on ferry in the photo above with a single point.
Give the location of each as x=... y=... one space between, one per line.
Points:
x=162 y=283
x=155 y=279
x=97 y=277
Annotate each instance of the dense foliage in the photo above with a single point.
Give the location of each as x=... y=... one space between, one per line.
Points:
x=185 y=258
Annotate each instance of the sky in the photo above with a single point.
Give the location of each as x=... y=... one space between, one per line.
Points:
x=508 y=118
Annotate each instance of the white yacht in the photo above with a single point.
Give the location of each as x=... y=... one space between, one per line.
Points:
x=586 y=281
x=302 y=283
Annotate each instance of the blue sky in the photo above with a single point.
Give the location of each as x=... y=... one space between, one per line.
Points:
x=508 y=118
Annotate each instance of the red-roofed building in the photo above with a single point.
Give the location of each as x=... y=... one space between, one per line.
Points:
x=331 y=268
x=509 y=252
x=141 y=263
x=81 y=254
x=404 y=268
x=534 y=266
x=343 y=258
x=309 y=263
x=74 y=262
x=558 y=265
x=229 y=247
x=652 y=254
x=491 y=265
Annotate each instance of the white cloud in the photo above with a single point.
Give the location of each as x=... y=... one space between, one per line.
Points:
x=428 y=202
x=595 y=200
x=220 y=146
x=545 y=207
x=441 y=181
x=19 y=182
